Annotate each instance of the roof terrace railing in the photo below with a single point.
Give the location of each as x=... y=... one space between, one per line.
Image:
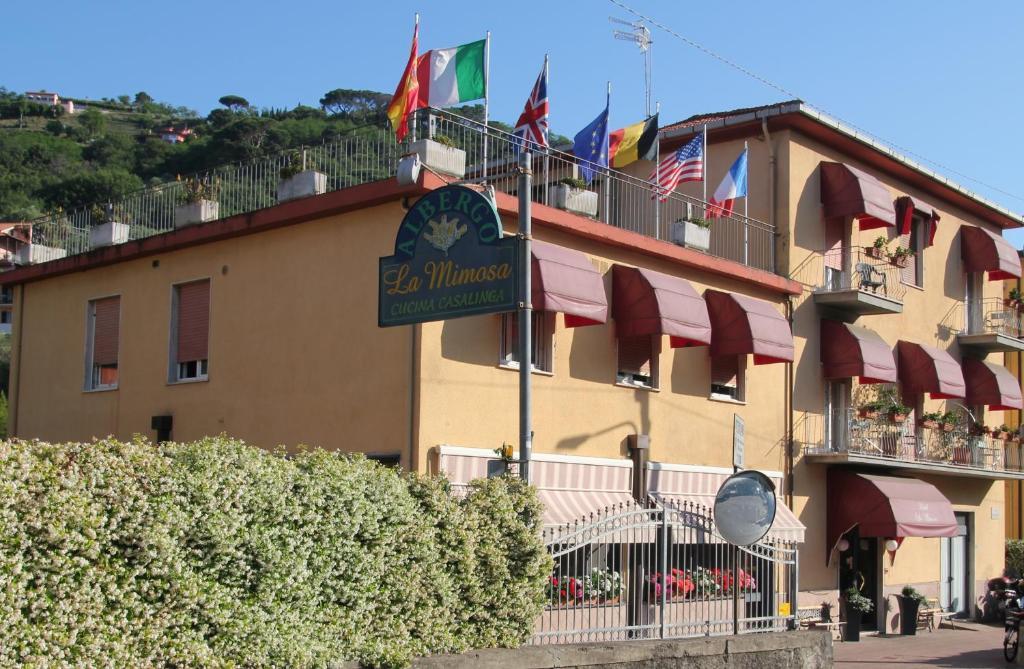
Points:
x=612 y=197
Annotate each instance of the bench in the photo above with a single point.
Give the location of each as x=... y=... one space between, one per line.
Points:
x=809 y=617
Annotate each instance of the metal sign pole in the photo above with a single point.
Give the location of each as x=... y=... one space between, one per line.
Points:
x=525 y=316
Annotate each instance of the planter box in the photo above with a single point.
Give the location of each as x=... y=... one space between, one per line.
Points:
x=196 y=212
x=108 y=234
x=948 y=427
x=690 y=235
x=575 y=200
x=897 y=417
x=930 y=424
x=900 y=262
x=302 y=184
x=438 y=157
x=908 y=614
x=868 y=413
x=872 y=252
x=33 y=254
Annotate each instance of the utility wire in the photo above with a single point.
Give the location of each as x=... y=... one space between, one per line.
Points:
x=788 y=93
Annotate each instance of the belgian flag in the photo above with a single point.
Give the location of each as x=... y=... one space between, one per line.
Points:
x=632 y=143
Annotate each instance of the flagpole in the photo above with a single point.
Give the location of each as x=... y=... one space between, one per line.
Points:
x=487 y=96
x=705 y=156
x=413 y=114
x=746 y=200
x=607 y=160
x=547 y=132
x=657 y=179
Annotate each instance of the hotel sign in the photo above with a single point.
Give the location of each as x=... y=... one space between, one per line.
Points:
x=450 y=260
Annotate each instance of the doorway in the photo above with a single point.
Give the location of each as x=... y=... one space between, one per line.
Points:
x=859 y=568
x=954 y=568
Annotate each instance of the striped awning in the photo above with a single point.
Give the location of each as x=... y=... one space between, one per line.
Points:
x=696 y=486
x=571 y=488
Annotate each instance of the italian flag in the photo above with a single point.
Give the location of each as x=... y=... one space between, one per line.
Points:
x=450 y=76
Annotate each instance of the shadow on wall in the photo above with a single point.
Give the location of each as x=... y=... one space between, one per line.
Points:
x=593 y=353
x=691 y=372
x=807 y=371
x=461 y=340
x=576 y=441
x=954 y=278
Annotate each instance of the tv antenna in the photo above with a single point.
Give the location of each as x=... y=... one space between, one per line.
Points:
x=641 y=36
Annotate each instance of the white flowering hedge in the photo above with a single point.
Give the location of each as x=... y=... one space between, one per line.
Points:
x=219 y=554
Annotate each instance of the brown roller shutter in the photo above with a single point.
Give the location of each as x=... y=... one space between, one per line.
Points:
x=635 y=355
x=193 y=321
x=106 y=330
x=724 y=370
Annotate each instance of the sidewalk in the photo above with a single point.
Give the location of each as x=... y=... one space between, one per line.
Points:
x=969 y=646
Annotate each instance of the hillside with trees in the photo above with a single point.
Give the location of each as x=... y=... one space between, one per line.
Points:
x=50 y=159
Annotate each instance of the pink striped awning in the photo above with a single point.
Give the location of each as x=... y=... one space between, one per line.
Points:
x=992 y=385
x=565 y=280
x=700 y=487
x=570 y=490
x=984 y=251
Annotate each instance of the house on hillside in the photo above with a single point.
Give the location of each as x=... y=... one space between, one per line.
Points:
x=172 y=135
x=50 y=100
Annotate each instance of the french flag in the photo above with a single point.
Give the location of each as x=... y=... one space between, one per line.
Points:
x=733 y=186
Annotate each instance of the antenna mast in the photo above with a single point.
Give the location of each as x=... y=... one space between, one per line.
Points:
x=641 y=36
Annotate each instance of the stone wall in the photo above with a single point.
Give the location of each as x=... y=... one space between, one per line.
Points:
x=784 y=650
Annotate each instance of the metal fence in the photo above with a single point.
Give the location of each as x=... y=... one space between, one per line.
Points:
x=660 y=571
x=991 y=315
x=856 y=268
x=613 y=197
x=859 y=432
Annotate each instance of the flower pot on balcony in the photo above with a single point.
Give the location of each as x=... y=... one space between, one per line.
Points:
x=33 y=254
x=930 y=424
x=851 y=631
x=575 y=200
x=874 y=252
x=440 y=157
x=691 y=235
x=191 y=213
x=947 y=427
x=108 y=234
x=1001 y=435
x=303 y=184
x=900 y=261
x=865 y=412
x=897 y=417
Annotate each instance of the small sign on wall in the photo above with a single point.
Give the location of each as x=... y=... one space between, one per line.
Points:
x=737 y=442
x=997 y=513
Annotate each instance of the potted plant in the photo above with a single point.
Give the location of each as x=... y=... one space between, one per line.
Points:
x=931 y=420
x=949 y=420
x=909 y=601
x=1015 y=299
x=980 y=430
x=200 y=201
x=900 y=256
x=571 y=194
x=565 y=590
x=854 y=606
x=870 y=410
x=604 y=586
x=105 y=229
x=691 y=230
x=898 y=412
x=1002 y=432
x=877 y=249
x=441 y=154
x=298 y=181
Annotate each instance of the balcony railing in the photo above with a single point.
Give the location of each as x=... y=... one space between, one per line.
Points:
x=848 y=432
x=854 y=268
x=991 y=315
x=617 y=199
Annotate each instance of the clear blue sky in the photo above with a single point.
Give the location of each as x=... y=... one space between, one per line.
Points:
x=941 y=79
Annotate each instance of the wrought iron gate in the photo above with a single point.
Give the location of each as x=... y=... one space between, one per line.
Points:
x=661 y=570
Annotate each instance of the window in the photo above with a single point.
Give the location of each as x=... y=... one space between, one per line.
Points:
x=837 y=413
x=541 y=340
x=102 y=338
x=913 y=272
x=392 y=461
x=6 y=317
x=190 y=331
x=728 y=374
x=638 y=361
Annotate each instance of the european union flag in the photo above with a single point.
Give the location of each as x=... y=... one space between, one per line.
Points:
x=591 y=144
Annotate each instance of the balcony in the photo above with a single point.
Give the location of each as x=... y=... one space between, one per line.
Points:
x=477 y=154
x=990 y=324
x=845 y=437
x=854 y=283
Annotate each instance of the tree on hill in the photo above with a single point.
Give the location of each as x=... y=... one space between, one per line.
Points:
x=142 y=98
x=93 y=122
x=364 y=105
x=234 y=102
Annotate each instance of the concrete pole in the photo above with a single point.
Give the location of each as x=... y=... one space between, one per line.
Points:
x=525 y=316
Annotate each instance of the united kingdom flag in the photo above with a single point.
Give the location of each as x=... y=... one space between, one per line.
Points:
x=532 y=125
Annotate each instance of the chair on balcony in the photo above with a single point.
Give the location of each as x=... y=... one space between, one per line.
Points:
x=871 y=278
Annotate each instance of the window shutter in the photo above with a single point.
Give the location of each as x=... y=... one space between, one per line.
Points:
x=193 y=321
x=635 y=355
x=724 y=370
x=106 y=330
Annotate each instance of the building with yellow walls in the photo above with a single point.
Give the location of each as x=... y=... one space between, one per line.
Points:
x=790 y=320
x=1014 y=489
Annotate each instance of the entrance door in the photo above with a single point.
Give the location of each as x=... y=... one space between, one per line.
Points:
x=858 y=568
x=953 y=563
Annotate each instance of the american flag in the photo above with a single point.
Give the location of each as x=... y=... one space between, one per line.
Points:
x=686 y=164
x=533 y=122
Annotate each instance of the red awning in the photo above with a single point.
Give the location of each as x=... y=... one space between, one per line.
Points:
x=645 y=302
x=848 y=351
x=565 y=280
x=991 y=384
x=888 y=507
x=926 y=369
x=984 y=251
x=847 y=191
x=907 y=206
x=741 y=324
